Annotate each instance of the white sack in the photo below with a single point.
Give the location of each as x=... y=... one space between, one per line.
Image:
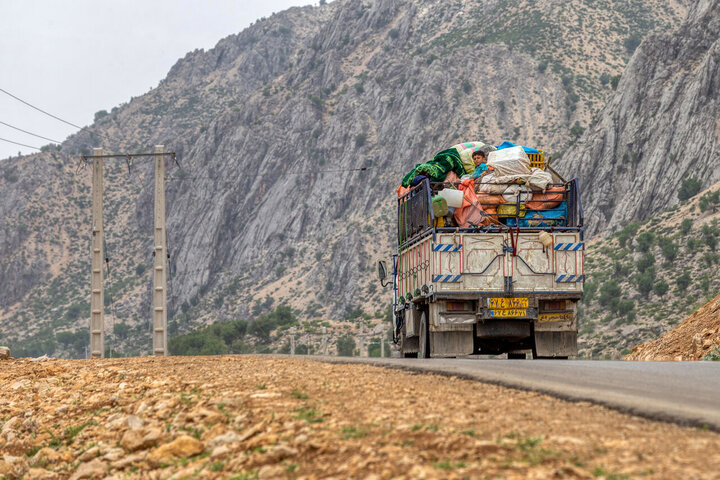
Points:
x=539 y=180
x=488 y=184
x=511 y=193
x=509 y=161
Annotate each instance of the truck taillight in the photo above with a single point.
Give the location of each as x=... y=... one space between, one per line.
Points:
x=458 y=306
x=552 y=305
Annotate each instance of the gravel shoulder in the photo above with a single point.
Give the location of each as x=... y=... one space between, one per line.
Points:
x=263 y=417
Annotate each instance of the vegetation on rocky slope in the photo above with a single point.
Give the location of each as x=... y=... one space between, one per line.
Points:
x=647 y=277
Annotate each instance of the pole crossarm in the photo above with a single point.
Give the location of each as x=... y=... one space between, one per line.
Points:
x=127 y=155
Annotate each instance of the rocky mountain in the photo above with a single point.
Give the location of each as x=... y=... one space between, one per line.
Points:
x=291 y=138
x=660 y=127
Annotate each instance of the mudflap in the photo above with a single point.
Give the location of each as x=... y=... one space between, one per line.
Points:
x=555 y=344
x=451 y=344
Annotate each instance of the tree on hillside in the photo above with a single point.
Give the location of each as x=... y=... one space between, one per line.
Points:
x=668 y=248
x=686 y=226
x=644 y=282
x=689 y=188
x=661 y=288
x=683 y=282
x=345 y=346
x=645 y=241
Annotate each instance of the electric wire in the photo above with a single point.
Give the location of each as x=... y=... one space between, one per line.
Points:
x=51 y=115
x=39 y=109
x=21 y=144
x=29 y=133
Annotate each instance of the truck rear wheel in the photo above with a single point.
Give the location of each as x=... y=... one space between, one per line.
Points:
x=424 y=337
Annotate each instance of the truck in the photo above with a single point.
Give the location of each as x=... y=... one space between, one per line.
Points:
x=509 y=287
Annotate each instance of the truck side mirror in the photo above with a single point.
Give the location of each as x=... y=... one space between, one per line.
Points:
x=382 y=271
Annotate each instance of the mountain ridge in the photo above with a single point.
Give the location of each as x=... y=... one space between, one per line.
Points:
x=270 y=127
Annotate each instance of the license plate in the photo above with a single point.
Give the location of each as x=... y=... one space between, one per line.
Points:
x=513 y=312
x=555 y=317
x=509 y=303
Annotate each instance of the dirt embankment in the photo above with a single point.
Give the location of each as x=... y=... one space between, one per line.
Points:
x=696 y=337
x=259 y=417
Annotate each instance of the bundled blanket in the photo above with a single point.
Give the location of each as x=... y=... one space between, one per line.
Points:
x=437 y=169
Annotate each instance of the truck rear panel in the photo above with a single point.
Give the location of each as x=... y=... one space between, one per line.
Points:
x=485 y=263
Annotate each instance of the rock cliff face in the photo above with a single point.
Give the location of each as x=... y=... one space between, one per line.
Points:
x=291 y=137
x=661 y=127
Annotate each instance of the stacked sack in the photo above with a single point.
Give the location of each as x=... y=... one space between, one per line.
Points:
x=510 y=179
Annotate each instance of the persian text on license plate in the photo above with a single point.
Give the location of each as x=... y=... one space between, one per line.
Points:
x=555 y=317
x=513 y=312
x=509 y=303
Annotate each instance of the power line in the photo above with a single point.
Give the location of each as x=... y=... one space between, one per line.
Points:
x=29 y=133
x=21 y=144
x=51 y=115
x=39 y=109
x=183 y=176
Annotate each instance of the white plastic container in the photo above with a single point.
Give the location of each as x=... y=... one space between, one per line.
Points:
x=454 y=197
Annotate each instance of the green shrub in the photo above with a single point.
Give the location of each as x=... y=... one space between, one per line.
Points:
x=709 y=236
x=713 y=356
x=709 y=201
x=644 y=282
x=669 y=249
x=263 y=326
x=610 y=294
x=625 y=306
x=686 y=226
x=705 y=283
x=576 y=131
x=689 y=188
x=692 y=245
x=345 y=346
x=632 y=42
x=645 y=262
x=683 y=282
x=590 y=290
x=120 y=330
x=645 y=241
x=660 y=288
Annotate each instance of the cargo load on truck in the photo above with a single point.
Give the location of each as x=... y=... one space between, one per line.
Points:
x=488 y=263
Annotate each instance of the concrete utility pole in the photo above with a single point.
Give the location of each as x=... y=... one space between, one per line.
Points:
x=97 y=299
x=362 y=340
x=382 y=346
x=159 y=270
x=324 y=341
x=292 y=341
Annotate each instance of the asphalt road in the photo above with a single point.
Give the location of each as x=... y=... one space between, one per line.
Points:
x=687 y=393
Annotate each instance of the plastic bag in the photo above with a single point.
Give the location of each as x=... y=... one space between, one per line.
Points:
x=489 y=184
x=512 y=192
x=494 y=184
x=539 y=180
x=509 y=161
x=549 y=199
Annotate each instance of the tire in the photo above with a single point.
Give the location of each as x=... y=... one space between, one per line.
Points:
x=424 y=340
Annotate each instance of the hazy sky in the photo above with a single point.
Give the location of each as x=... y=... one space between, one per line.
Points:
x=72 y=58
